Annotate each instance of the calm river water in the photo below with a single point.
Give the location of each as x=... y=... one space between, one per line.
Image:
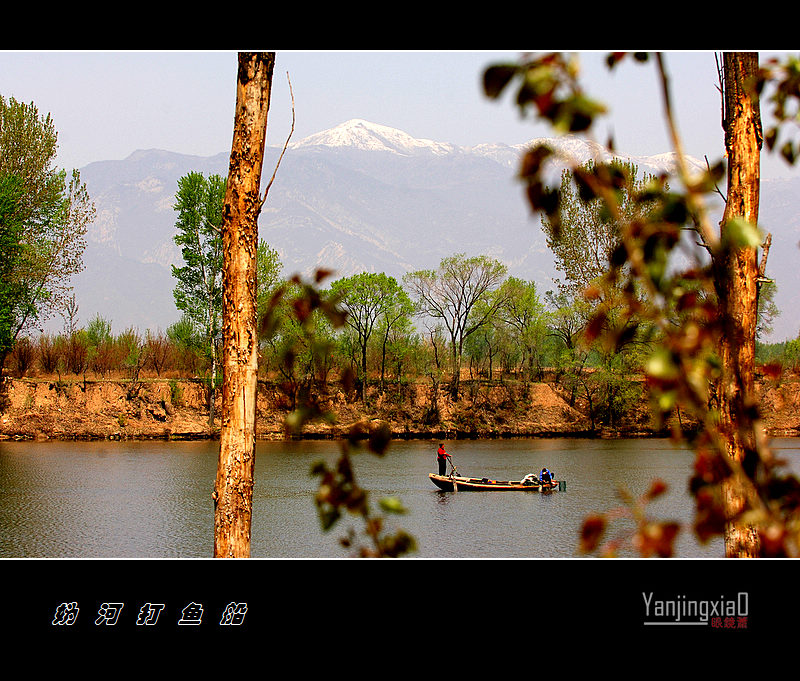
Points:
x=153 y=499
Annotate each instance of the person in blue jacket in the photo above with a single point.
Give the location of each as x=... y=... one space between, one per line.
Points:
x=545 y=476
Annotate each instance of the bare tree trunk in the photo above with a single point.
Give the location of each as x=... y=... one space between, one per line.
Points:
x=233 y=492
x=212 y=392
x=364 y=371
x=455 y=383
x=738 y=285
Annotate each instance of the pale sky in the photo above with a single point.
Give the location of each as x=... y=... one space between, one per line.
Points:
x=106 y=105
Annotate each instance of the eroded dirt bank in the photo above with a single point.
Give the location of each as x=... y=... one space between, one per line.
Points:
x=177 y=409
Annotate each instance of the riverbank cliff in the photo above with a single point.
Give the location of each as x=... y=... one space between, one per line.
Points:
x=41 y=409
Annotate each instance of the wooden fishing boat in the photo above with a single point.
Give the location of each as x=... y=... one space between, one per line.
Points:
x=457 y=483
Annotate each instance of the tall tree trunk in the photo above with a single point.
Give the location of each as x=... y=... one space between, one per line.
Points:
x=212 y=388
x=212 y=392
x=455 y=383
x=737 y=287
x=233 y=492
x=364 y=371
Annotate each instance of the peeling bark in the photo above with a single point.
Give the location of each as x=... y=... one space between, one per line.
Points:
x=233 y=491
x=737 y=285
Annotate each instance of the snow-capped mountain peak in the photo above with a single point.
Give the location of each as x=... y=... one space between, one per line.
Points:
x=573 y=149
x=363 y=135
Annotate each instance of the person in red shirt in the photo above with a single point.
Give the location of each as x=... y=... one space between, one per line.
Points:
x=442 y=457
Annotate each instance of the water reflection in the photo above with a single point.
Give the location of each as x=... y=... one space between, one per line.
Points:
x=153 y=499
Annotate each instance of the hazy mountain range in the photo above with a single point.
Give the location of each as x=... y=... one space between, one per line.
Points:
x=358 y=197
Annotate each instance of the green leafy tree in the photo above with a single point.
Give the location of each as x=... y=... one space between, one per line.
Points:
x=483 y=347
x=371 y=301
x=268 y=271
x=791 y=354
x=523 y=311
x=450 y=293
x=585 y=234
x=98 y=330
x=567 y=318
x=767 y=309
x=586 y=240
x=394 y=326
x=11 y=288
x=46 y=214
x=101 y=345
x=497 y=341
x=132 y=354
x=402 y=345
x=187 y=341
x=199 y=203
x=591 y=313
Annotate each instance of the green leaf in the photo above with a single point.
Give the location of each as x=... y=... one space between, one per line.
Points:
x=392 y=505
x=495 y=79
x=661 y=365
x=741 y=233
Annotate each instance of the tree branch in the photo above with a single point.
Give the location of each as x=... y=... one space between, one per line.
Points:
x=707 y=234
x=286 y=144
x=762 y=266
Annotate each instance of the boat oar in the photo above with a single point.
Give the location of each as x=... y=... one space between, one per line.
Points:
x=453 y=473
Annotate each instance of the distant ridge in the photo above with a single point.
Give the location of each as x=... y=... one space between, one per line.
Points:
x=358 y=197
